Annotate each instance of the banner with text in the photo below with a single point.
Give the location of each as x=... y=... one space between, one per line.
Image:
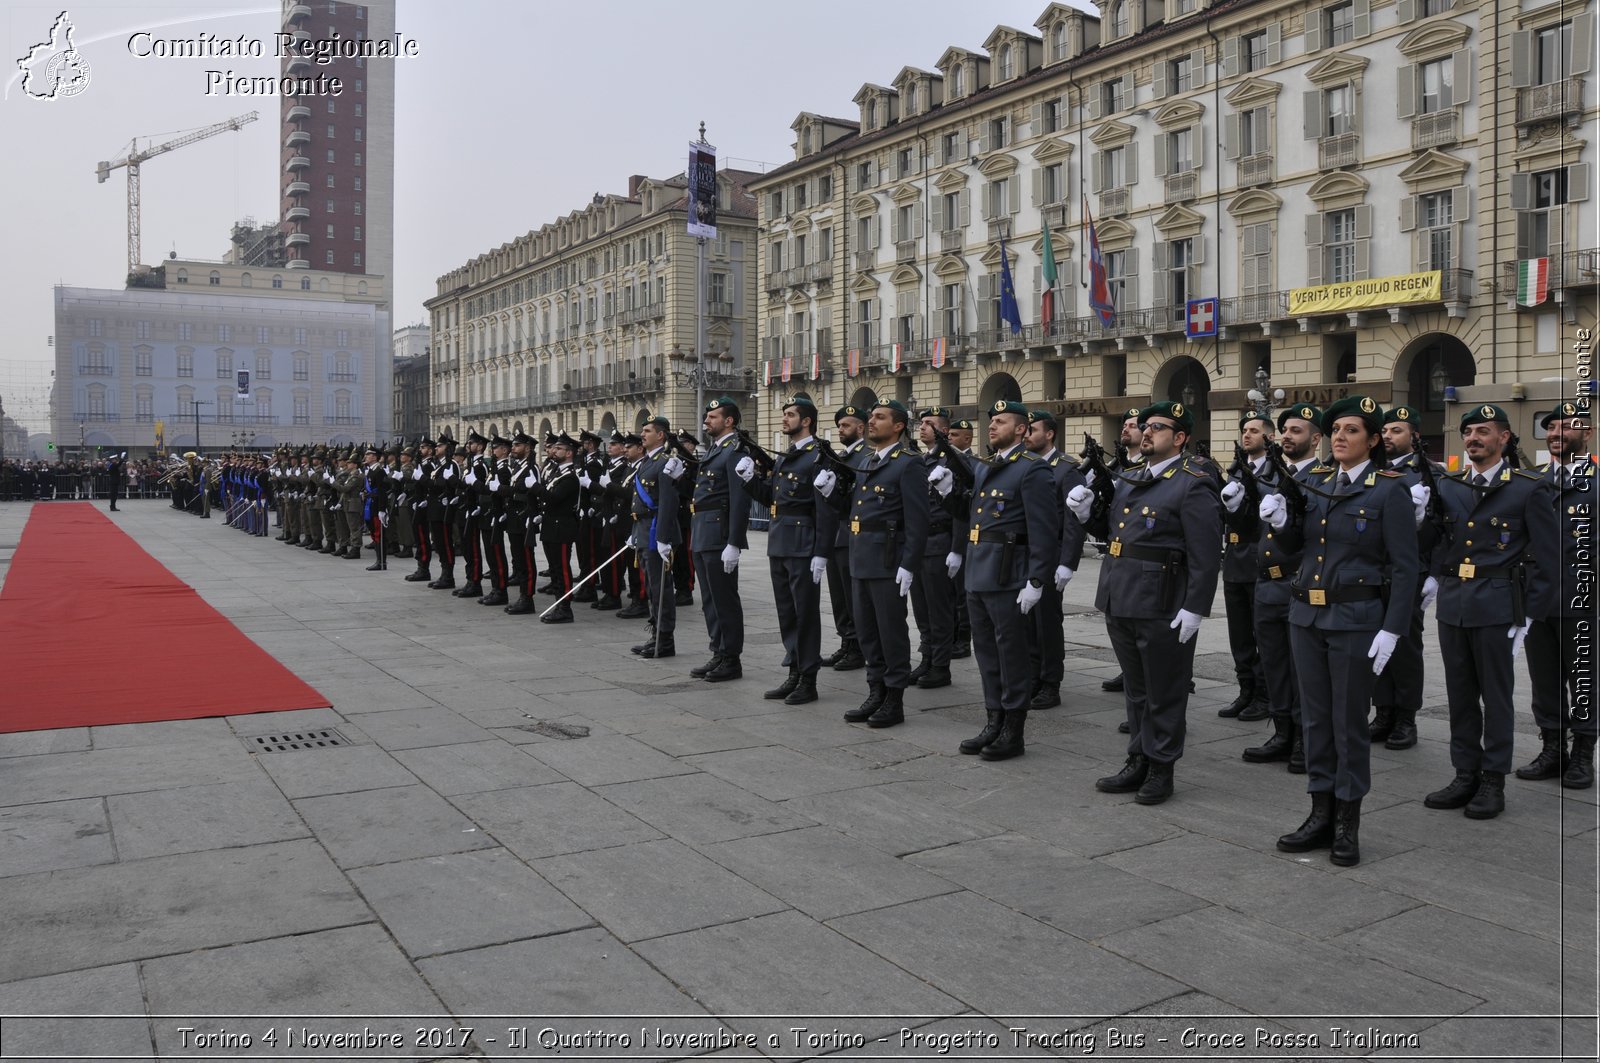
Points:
x=703 y=191
x=1398 y=290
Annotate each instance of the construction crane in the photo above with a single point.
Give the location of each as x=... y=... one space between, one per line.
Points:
x=135 y=157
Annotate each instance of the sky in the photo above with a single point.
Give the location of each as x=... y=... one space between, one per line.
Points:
x=510 y=115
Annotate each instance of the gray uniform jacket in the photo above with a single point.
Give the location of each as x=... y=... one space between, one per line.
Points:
x=656 y=520
x=802 y=524
x=1495 y=567
x=721 y=513
x=1165 y=551
x=887 y=514
x=1577 y=507
x=1014 y=530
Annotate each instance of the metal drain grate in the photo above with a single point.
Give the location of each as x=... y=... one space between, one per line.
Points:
x=286 y=743
x=551 y=729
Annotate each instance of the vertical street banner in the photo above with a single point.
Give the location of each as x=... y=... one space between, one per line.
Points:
x=244 y=383
x=788 y=368
x=936 y=355
x=852 y=362
x=766 y=373
x=816 y=365
x=896 y=357
x=703 y=191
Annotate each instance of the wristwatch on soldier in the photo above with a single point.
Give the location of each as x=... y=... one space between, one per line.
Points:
x=1035 y=584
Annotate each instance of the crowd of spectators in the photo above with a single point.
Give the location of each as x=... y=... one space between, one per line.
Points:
x=40 y=481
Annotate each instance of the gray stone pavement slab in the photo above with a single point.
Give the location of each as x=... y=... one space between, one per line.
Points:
x=465 y=901
x=340 y=770
x=704 y=736
x=899 y=817
x=125 y=770
x=552 y=820
x=69 y=999
x=33 y=743
x=651 y=889
x=55 y=835
x=188 y=733
x=779 y=773
x=192 y=818
x=702 y=809
x=378 y=826
x=94 y=916
x=596 y=761
x=474 y=767
x=433 y=725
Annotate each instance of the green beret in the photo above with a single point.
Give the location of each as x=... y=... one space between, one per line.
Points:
x=1361 y=406
x=660 y=422
x=802 y=400
x=1174 y=411
x=1565 y=412
x=725 y=404
x=848 y=411
x=1035 y=416
x=1302 y=412
x=1480 y=414
x=1252 y=415
x=1002 y=406
x=934 y=411
x=963 y=423
x=1132 y=413
x=895 y=407
x=1403 y=415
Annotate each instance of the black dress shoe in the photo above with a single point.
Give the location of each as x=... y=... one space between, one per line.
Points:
x=417 y=577
x=686 y=598
x=1123 y=728
x=560 y=616
x=1157 y=785
x=1317 y=830
x=634 y=611
x=861 y=713
x=891 y=710
x=496 y=596
x=652 y=652
x=1114 y=683
x=376 y=566
x=1456 y=795
x=522 y=606
x=469 y=590
x=804 y=691
x=1132 y=776
x=727 y=669
x=443 y=583
x=700 y=671
x=934 y=678
x=1048 y=696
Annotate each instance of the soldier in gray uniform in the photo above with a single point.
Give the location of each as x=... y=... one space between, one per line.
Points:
x=655 y=535
x=798 y=539
x=1047 y=651
x=933 y=592
x=1563 y=693
x=851 y=425
x=1239 y=566
x=1352 y=603
x=887 y=513
x=718 y=532
x=1494 y=571
x=1012 y=545
x=1156 y=585
x=961 y=439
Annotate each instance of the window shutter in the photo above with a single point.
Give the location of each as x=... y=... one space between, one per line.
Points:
x=1363 y=242
x=985 y=287
x=1197 y=251
x=1014 y=194
x=1130 y=287
x=877 y=232
x=1408 y=213
x=1158 y=79
x=1092 y=103
x=966 y=208
x=983 y=138
x=1038 y=187
x=1161 y=256
x=916 y=222
x=1314 y=30
x=1036 y=118
x=1161 y=155
x=1406 y=91
x=1127 y=82
x=1363 y=19
x=1578 y=183
x=1581 y=57
x=1266 y=137
x=1230 y=136
x=1097 y=173
x=1462 y=91
x=1313 y=113
x=1230 y=57
x=1133 y=165
x=1405 y=11
x=1521 y=59
x=1197 y=147
x=1313 y=249
x=1522 y=191
x=938 y=213
x=1461 y=203
x=894 y=225
x=1274 y=44
x=939 y=298
x=1038 y=279
x=1197 y=68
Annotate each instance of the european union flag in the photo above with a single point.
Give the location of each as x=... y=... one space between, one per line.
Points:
x=1009 y=313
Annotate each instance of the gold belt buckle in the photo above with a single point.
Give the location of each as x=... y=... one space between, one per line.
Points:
x=1467 y=571
x=1116 y=548
x=855 y=527
x=1318 y=597
x=691 y=508
x=774 y=509
x=1275 y=572
x=1233 y=537
x=973 y=537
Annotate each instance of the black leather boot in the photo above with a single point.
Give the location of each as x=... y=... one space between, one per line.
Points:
x=891 y=711
x=833 y=658
x=727 y=669
x=1490 y=800
x=1275 y=748
x=1551 y=761
x=921 y=669
x=649 y=640
x=1382 y=723
x=1346 y=833
x=1130 y=778
x=1048 y=696
x=446 y=582
x=1580 y=765
x=521 y=606
x=962 y=649
x=1461 y=790
x=562 y=614
x=496 y=596
x=1257 y=709
x=864 y=711
x=419 y=576
x=1404 y=735
x=608 y=603
x=1113 y=684
x=469 y=590
x=852 y=659
x=634 y=611
x=701 y=671
x=1008 y=743
x=993 y=720
x=785 y=688
x=935 y=677
x=805 y=691
x=1316 y=832
x=1247 y=694
x=1123 y=728
x=1157 y=785
x=1297 y=751
x=654 y=652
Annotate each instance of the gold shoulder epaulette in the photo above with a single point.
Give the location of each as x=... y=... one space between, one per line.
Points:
x=1532 y=474
x=1390 y=473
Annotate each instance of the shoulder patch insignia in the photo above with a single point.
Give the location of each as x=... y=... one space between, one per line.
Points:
x=1390 y=473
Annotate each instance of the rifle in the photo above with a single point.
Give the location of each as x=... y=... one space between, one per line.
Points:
x=954 y=459
x=842 y=469
x=757 y=453
x=1245 y=473
x=1432 y=513
x=1092 y=459
x=682 y=445
x=1287 y=485
x=1513 y=455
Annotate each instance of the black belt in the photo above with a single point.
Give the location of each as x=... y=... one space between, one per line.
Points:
x=859 y=526
x=1014 y=538
x=1273 y=572
x=1336 y=595
x=1160 y=555
x=1467 y=571
x=793 y=509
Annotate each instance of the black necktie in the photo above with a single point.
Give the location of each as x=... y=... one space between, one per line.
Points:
x=1342 y=484
x=1480 y=480
x=873 y=462
x=1141 y=474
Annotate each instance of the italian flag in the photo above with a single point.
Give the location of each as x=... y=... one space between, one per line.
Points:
x=895 y=359
x=788 y=369
x=816 y=365
x=852 y=362
x=1047 y=299
x=767 y=378
x=1533 y=281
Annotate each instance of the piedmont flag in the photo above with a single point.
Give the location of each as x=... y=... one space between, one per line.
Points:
x=1100 y=300
x=788 y=368
x=1533 y=281
x=936 y=353
x=816 y=365
x=852 y=362
x=896 y=358
x=1009 y=313
x=1047 y=298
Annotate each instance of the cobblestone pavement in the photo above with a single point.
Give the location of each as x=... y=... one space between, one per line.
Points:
x=716 y=871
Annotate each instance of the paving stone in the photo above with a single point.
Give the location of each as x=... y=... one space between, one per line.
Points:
x=707 y=736
x=654 y=888
x=33 y=743
x=131 y=769
x=416 y=728
x=778 y=774
x=186 y=733
x=465 y=901
x=341 y=769
x=1264 y=969
x=1274 y=889
x=55 y=835
x=193 y=818
x=897 y=817
x=824 y=873
x=270 y=723
x=69 y=1000
x=595 y=761
x=701 y=808
x=475 y=767
x=1022 y=965
x=1513 y=899
x=540 y=821
x=1086 y=898
x=1508 y=841
x=378 y=826
x=353 y=977
x=96 y=916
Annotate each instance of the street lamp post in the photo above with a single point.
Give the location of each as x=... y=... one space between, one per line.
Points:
x=1264 y=395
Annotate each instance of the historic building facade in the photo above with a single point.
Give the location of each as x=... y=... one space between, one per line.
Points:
x=590 y=322
x=1343 y=190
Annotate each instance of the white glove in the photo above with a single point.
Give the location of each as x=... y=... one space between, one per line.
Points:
x=1383 y=644
x=529 y=480
x=1517 y=635
x=942 y=480
x=744 y=468
x=471 y=478
x=819 y=568
x=674 y=467
x=824 y=483
x=1233 y=495
x=605 y=479
x=952 y=564
x=1430 y=591
x=449 y=470
x=1063 y=577
x=583 y=480
x=1081 y=501
x=1029 y=596
x=902 y=579
x=1187 y=624
x=1089 y=478
x=665 y=550
x=416 y=474
x=1419 y=501
x=494 y=485
x=730 y=558
x=1275 y=511
x=383 y=517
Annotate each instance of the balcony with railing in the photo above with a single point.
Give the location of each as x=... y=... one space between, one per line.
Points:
x=100 y=416
x=1256 y=308
x=1182 y=187
x=1339 y=151
x=1113 y=202
x=297 y=214
x=719 y=309
x=299 y=12
x=299 y=113
x=296 y=188
x=1543 y=103
x=1572 y=269
x=1254 y=170
x=866 y=260
x=905 y=251
x=1057 y=215
x=1438 y=130
x=952 y=241
x=343 y=418
x=341 y=378
x=489 y=409
x=297 y=239
x=94 y=370
x=652 y=312
x=819 y=271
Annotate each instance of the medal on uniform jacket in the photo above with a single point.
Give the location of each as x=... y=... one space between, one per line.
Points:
x=1149 y=518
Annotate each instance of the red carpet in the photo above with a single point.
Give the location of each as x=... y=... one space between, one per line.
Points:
x=93 y=630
